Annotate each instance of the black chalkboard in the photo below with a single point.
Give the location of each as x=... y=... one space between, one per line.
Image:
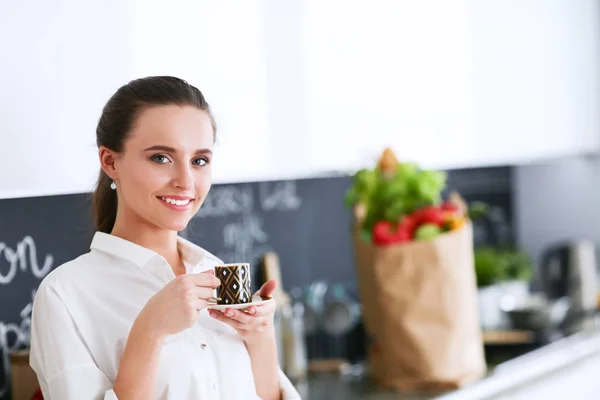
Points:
x=36 y=235
x=304 y=221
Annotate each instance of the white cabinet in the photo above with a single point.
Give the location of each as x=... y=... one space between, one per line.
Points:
x=308 y=87
x=387 y=73
x=536 y=79
x=451 y=84
x=220 y=48
x=60 y=62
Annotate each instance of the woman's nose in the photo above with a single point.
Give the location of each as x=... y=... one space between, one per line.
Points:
x=184 y=178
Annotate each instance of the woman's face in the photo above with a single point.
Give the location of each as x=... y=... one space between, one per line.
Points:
x=164 y=171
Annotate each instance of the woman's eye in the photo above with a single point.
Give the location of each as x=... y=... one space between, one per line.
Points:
x=159 y=158
x=200 y=161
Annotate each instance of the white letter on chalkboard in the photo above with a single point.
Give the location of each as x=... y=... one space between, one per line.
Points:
x=37 y=271
x=20 y=257
x=10 y=256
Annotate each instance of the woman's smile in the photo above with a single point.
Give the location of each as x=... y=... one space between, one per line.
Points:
x=178 y=203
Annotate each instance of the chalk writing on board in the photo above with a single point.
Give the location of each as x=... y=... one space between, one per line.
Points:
x=14 y=336
x=23 y=258
x=244 y=240
x=244 y=235
x=227 y=200
x=231 y=200
x=279 y=196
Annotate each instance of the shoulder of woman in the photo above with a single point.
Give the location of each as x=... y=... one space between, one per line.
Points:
x=65 y=274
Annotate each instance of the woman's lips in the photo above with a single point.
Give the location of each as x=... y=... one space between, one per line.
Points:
x=176 y=202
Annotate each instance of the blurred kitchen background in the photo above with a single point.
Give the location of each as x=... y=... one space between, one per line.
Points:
x=503 y=95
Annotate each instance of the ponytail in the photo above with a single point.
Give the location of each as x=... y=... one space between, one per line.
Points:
x=104 y=204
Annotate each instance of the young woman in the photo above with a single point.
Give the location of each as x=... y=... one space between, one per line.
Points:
x=129 y=319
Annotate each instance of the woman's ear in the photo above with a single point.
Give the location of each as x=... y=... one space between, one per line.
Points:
x=107 y=162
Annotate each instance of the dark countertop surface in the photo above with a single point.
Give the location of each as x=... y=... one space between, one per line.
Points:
x=336 y=387
x=567 y=367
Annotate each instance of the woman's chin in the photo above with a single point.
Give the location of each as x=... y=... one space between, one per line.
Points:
x=175 y=225
x=179 y=227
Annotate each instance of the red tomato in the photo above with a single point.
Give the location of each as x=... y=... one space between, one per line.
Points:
x=383 y=233
x=429 y=215
x=386 y=233
x=449 y=206
x=410 y=222
x=403 y=234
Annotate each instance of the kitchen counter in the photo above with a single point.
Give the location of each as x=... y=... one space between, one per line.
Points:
x=334 y=387
x=562 y=370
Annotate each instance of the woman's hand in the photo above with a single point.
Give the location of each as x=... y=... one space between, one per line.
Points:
x=256 y=324
x=257 y=330
x=177 y=306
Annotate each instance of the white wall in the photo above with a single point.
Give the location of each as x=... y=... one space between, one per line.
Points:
x=536 y=78
x=388 y=72
x=60 y=61
x=218 y=46
x=555 y=200
x=452 y=84
x=304 y=88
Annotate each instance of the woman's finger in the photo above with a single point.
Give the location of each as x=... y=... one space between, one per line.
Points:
x=260 y=311
x=240 y=316
x=267 y=288
x=199 y=304
x=204 y=293
x=235 y=324
x=204 y=279
x=263 y=309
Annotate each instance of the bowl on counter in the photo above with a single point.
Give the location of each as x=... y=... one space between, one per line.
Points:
x=535 y=312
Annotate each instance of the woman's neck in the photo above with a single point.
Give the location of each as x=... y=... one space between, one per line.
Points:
x=159 y=240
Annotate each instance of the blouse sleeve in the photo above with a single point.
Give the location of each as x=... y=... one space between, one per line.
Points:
x=288 y=391
x=58 y=355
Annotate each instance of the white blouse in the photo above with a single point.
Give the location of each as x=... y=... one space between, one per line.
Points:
x=83 y=312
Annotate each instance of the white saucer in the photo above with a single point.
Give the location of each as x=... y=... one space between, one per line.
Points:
x=256 y=301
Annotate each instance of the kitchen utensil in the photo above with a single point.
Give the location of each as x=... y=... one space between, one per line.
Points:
x=491 y=317
x=294 y=345
x=272 y=271
x=571 y=270
x=341 y=313
x=314 y=306
x=535 y=312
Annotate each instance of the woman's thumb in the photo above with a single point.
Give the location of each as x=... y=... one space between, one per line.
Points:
x=267 y=289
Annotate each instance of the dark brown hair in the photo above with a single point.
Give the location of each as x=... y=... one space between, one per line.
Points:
x=118 y=118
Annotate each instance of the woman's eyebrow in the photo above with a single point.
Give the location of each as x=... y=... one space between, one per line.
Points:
x=162 y=148
x=169 y=149
x=203 y=151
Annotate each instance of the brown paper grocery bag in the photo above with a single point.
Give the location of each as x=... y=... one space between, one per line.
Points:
x=420 y=311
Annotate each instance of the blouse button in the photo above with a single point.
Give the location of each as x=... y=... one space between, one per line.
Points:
x=203 y=346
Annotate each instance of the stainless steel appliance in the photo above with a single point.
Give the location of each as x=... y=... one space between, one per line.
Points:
x=570 y=269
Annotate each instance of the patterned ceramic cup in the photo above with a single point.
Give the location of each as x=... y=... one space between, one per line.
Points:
x=235 y=285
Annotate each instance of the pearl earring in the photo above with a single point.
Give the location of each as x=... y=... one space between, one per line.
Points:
x=113 y=185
